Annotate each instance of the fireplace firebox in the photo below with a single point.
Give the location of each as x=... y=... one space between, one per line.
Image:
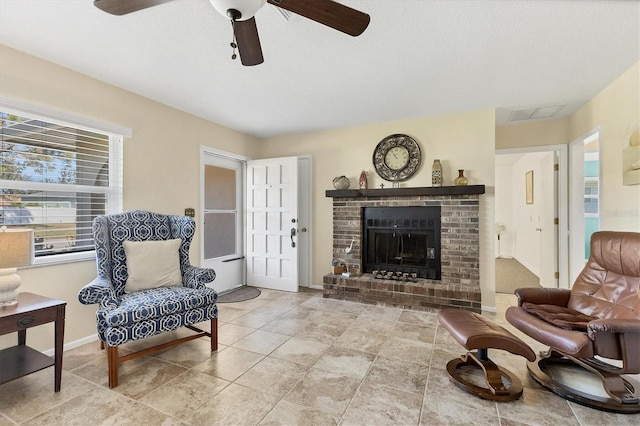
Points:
x=402 y=240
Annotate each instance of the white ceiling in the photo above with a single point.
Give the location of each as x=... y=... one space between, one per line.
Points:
x=417 y=58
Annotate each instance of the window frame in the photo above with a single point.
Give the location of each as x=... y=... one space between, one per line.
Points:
x=113 y=192
x=591 y=196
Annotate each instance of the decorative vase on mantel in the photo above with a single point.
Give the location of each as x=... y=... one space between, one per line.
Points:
x=341 y=182
x=436 y=173
x=460 y=180
x=363 y=180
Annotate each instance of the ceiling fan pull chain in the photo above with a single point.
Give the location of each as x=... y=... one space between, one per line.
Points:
x=233 y=44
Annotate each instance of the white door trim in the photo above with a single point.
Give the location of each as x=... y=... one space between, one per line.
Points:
x=563 y=203
x=306 y=280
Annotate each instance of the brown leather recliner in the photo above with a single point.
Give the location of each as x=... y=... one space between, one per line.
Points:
x=597 y=321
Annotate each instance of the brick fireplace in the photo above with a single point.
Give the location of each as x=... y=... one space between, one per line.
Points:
x=459 y=284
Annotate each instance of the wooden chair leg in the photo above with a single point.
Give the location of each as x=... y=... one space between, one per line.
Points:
x=112 y=361
x=214 y=334
x=101 y=344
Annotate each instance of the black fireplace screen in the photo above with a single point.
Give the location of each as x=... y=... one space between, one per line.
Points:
x=402 y=240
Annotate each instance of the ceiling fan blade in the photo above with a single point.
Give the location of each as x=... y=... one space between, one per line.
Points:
x=329 y=13
x=122 y=7
x=246 y=33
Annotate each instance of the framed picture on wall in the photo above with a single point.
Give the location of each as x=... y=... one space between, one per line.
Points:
x=529 y=186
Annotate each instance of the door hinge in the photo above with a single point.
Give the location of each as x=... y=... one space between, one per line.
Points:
x=557 y=275
x=556 y=167
x=555 y=221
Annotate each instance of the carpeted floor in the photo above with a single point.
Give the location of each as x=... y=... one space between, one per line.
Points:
x=511 y=274
x=239 y=294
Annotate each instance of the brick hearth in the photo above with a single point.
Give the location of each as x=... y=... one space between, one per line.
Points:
x=460 y=259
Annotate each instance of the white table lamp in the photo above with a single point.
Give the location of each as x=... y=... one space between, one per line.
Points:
x=16 y=249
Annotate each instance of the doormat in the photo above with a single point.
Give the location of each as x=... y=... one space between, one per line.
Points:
x=239 y=294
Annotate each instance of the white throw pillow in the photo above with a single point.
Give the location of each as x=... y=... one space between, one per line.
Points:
x=152 y=264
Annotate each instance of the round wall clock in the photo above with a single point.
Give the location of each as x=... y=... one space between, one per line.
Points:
x=397 y=158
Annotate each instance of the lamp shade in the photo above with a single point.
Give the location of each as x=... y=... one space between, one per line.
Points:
x=16 y=247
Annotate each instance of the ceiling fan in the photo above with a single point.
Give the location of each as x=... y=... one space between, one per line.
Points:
x=242 y=12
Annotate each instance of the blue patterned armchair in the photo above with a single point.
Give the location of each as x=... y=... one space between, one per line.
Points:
x=125 y=315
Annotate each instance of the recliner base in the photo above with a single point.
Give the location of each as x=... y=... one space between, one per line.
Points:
x=548 y=370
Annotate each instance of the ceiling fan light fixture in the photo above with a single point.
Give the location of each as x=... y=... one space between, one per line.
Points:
x=246 y=8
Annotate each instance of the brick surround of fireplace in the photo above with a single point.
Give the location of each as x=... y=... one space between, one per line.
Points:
x=459 y=286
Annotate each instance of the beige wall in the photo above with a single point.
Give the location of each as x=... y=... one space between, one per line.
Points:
x=460 y=141
x=616 y=111
x=536 y=133
x=161 y=165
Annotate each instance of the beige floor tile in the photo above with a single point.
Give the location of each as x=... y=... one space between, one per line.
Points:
x=362 y=340
x=229 y=364
x=185 y=394
x=411 y=331
x=458 y=414
x=287 y=413
x=4 y=421
x=227 y=312
x=187 y=354
x=367 y=323
x=442 y=396
x=398 y=374
x=383 y=313
x=272 y=376
x=407 y=350
x=262 y=342
x=345 y=361
x=527 y=409
x=28 y=396
x=417 y=317
x=103 y=407
x=97 y=371
x=235 y=405
x=253 y=319
x=138 y=382
x=228 y=333
x=299 y=351
x=321 y=332
x=81 y=355
x=592 y=417
x=288 y=326
x=325 y=391
x=376 y=404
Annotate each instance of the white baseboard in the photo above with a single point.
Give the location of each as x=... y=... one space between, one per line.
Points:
x=488 y=308
x=75 y=344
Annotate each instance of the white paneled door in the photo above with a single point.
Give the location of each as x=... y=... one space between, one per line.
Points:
x=272 y=223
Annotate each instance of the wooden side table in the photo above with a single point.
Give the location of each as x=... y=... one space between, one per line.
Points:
x=20 y=360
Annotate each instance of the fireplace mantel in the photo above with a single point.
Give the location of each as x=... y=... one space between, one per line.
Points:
x=407 y=192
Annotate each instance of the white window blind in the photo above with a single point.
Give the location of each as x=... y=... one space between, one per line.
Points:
x=591 y=196
x=56 y=177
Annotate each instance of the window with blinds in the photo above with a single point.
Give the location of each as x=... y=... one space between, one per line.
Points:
x=55 y=178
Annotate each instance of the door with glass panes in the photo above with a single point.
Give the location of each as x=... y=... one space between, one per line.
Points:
x=223 y=236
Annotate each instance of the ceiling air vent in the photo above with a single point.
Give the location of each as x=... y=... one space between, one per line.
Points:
x=538 y=113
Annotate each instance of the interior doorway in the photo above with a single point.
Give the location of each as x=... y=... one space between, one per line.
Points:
x=531 y=217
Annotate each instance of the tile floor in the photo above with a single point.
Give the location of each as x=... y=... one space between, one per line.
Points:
x=289 y=359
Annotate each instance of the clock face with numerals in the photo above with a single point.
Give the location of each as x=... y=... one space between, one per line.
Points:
x=397 y=157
